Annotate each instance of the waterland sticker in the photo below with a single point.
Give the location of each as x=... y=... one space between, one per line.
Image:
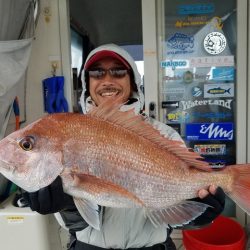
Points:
x=225 y=103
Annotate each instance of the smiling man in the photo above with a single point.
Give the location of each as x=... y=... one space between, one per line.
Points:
x=110 y=71
x=108 y=78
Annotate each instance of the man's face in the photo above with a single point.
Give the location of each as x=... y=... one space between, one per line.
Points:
x=107 y=86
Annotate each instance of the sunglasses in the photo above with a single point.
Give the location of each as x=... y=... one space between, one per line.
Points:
x=99 y=73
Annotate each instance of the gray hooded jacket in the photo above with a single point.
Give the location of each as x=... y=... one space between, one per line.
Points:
x=124 y=227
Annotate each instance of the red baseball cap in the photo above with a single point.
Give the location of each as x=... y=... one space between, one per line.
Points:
x=105 y=53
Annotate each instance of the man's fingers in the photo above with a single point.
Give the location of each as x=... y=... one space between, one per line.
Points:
x=203 y=193
x=212 y=189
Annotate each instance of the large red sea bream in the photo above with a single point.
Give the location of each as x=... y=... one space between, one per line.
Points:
x=113 y=158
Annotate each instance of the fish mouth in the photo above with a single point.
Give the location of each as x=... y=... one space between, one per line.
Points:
x=109 y=92
x=5 y=165
x=7 y=168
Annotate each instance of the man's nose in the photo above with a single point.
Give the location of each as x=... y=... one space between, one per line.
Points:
x=108 y=76
x=107 y=82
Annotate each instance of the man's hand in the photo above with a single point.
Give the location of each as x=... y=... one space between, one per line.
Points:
x=215 y=198
x=50 y=199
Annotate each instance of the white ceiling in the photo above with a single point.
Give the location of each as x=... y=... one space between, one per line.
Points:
x=108 y=21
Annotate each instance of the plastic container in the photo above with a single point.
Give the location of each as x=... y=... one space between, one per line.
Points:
x=224 y=233
x=21 y=228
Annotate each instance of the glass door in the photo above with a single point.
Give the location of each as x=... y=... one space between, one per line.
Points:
x=199 y=91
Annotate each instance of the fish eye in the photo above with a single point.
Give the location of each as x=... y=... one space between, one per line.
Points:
x=27 y=143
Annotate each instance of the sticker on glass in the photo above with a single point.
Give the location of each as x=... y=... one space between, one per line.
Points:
x=209 y=131
x=215 y=43
x=210 y=149
x=218 y=90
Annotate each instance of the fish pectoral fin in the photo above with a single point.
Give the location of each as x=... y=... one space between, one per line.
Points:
x=95 y=185
x=176 y=215
x=89 y=211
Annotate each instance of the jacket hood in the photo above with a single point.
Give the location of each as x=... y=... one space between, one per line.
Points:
x=86 y=102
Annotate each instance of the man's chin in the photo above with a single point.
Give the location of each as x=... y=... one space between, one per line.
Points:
x=113 y=97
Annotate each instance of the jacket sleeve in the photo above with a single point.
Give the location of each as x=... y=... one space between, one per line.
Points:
x=71 y=220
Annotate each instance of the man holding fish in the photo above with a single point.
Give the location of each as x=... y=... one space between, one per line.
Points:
x=111 y=73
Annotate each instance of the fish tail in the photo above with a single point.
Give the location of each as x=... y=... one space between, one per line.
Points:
x=241 y=187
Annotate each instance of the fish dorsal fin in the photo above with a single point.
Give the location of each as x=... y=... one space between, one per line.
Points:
x=109 y=111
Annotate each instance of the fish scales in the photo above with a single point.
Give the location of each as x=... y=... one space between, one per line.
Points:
x=146 y=163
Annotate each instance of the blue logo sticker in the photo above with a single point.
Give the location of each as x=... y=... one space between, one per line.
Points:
x=186 y=9
x=211 y=115
x=196 y=91
x=175 y=64
x=223 y=74
x=209 y=131
x=181 y=41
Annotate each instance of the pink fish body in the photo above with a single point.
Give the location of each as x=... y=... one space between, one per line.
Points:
x=113 y=158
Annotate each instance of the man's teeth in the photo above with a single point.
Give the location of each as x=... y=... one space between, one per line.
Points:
x=109 y=93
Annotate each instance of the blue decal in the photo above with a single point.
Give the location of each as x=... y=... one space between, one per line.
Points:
x=181 y=41
x=209 y=131
x=196 y=91
x=223 y=74
x=187 y=9
x=175 y=64
x=212 y=115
